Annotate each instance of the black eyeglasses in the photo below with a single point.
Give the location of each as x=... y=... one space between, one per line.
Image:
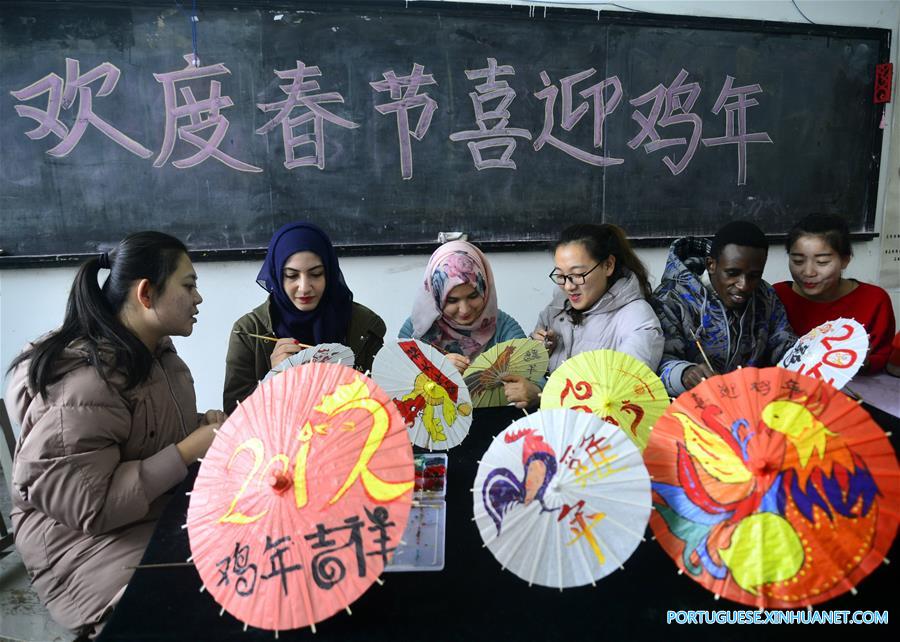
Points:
x=574 y=279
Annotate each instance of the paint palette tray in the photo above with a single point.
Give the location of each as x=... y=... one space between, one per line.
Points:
x=422 y=548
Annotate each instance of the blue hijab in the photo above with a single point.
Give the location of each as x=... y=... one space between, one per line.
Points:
x=331 y=318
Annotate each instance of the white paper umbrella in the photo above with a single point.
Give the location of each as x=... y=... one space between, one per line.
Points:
x=833 y=352
x=428 y=390
x=562 y=498
x=322 y=353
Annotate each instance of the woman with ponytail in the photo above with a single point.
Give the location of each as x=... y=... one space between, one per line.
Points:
x=109 y=425
x=601 y=304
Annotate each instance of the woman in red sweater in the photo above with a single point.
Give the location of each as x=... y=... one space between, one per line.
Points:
x=819 y=251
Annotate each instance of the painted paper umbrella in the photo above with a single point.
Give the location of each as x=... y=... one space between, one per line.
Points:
x=561 y=498
x=524 y=357
x=833 y=352
x=614 y=386
x=772 y=489
x=322 y=353
x=301 y=498
x=428 y=391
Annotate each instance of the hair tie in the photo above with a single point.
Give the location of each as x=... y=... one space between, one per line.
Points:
x=103 y=261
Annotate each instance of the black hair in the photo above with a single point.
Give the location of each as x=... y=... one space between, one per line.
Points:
x=92 y=311
x=605 y=240
x=743 y=233
x=834 y=229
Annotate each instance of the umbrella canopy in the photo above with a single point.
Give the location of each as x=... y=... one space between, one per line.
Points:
x=833 y=352
x=428 y=390
x=561 y=498
x=302 y=497
x=524 y=357
x=772 y=488
x=614 y=386
x=322 y=353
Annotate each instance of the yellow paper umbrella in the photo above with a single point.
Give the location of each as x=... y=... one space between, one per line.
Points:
x=614 y=386
x=484 y=378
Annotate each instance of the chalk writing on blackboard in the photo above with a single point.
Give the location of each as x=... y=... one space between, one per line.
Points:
x=195 y=110
x=602 y=108
x=668 y=109
x=301 y=93
x=63 y=96
x=737 y=111
x=497 y=135
x=403 y=102
x=671 y=105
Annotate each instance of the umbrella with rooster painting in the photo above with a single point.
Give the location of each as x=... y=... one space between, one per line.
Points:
x=561 y=498
x=772 y=488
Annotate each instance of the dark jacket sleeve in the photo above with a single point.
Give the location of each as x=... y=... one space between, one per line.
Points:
x=246 y=357
x=674 y=359
x=365 y=336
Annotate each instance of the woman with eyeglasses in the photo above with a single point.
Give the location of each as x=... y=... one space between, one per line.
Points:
x=601 y=304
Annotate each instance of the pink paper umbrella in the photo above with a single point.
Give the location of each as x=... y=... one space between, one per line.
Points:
x=302 y=497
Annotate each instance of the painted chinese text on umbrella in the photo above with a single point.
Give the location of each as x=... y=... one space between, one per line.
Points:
x=833 y=352
x=772 y=488
x=562 y=498
x=614 y=386
x=302 y=498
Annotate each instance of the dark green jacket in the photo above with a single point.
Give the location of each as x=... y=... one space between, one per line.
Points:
x=248 y=358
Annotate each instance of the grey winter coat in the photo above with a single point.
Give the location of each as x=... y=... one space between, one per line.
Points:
x=621 y=320
x=90 y=470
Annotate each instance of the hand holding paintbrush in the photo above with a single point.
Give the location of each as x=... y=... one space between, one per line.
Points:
x=283 y=349
x=695 y=374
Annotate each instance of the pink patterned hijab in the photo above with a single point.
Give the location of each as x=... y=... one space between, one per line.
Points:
x=452 y=264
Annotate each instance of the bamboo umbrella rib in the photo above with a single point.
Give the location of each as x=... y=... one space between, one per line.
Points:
x=621 y=526
x=540 y=548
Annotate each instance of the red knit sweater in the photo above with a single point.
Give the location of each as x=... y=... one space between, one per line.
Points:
x=868 y=304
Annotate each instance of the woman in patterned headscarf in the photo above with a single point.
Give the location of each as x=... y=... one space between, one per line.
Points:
x=456 y=308
x=308 y=303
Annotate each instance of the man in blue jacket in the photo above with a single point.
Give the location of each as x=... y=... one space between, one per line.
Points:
x=712 y=296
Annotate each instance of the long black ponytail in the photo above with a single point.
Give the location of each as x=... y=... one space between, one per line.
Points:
x=92 y=312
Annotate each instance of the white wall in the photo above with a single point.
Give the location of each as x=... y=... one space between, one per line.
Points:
x=33 y=301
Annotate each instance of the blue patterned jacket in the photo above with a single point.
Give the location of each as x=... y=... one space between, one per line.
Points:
x=689 y=309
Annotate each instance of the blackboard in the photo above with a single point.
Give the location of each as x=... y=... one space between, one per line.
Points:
x=776 y=120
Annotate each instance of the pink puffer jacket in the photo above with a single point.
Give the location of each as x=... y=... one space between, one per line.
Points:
x=91 y=467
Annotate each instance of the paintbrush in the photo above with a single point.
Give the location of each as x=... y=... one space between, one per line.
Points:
x=265 y=338
x=696 y=336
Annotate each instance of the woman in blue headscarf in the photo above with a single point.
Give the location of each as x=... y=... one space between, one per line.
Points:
x=309 y=303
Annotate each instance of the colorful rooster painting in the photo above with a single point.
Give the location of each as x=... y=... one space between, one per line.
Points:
x=502 y=489
x=763 y=501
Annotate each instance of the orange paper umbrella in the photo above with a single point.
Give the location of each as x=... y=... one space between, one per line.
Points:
x=302 y=497
x=772 y=488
